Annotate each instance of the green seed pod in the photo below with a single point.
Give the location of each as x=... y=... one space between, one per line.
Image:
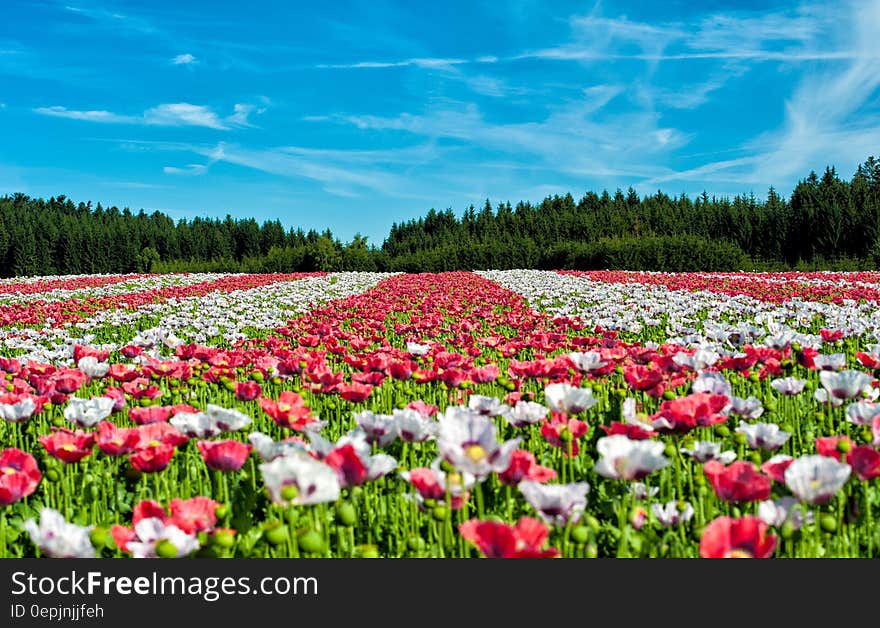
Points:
x=592 y=523
x=223 y=538
x=580 y=534
x=669 y=395
x=52 y=475
x=440 y=512
x=166 y=549
x=669 y=450
x=222 y=511
x=787 y=530
x=828 y=522
x=99 y=537
x=311 y=541
x=591 y=551
x=346 y=514
x=368 y=551
x=276 y=533
x=58 y=421
x=722 y=430
x=755 y=457
x=739 y=438
x=416 y=543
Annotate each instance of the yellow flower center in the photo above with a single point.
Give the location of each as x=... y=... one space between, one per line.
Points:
x=475 y=453
x=8 y=470
x=68 y=447
x=738 y=552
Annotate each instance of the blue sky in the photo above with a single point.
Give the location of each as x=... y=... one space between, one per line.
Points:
x=355 y=115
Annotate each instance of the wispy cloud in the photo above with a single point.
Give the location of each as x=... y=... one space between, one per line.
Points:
x=168 y=114
x=427 y=62
x=184 y=59
x=188 y=170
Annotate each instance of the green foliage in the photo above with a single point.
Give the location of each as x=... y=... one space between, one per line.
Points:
x=827 y=223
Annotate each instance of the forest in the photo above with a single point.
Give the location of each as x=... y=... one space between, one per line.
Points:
x=826 y=222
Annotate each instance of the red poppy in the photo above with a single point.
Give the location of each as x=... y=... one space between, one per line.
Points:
x=834 y=446
x=116 y=441
x=68 y=381
x=289 y=411
x=348 y=465
x=401 y=370
x=524 y=466
x=196 y=514
x=695 y=410
x=737 y=483
x=123 y=372
x=165 y=433
x=247 y=391
x=67 y=445
x=630 y=430
x=224 y=455
x=118 y=397
x=562 y=432
x=19 y=475
x=865 y=461
x=776 y=466
x=640 y=377
x=484 y=374
x=149 y=414
x=151 y=458
x=354 y=392
x=502 y=540
x=746 y=537
x=425 y=409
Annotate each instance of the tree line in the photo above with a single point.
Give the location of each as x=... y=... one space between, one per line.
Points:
x=826 y=222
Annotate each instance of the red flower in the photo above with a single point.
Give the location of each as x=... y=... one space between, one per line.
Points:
x=630 y=430
x=484 y=374
x=425 y=409
x=830 y=336
x=746 y=537
x=289 y=411
x=69 y=446
x=19 y=475
x=118 y=397
x=247 y=391
x=68 y=381
x=123 y=372
x=737 y=483
x=776 y=466
x=523 y=466
x=865 y=461
x=348 y=465
x=502 y=540
x=164 y=433
x=196 y=514
x=224 y=455
x=695 y=410
x=354 y=392
x=116 y=441
x=562 y=432
x=834 y=446
x=151 y=458
x=401 y=370
x=640 y=377
x=149 y=414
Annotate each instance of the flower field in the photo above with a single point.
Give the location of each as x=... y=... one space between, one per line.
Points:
x=463 y=414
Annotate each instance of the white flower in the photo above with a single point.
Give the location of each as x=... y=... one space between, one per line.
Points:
x=586 y=361
x=766 y=436
x=711 y=382
x=842 y=385
x=816 y=479
x=467 y=441
x=227 y=419
x=413 y=427
x=195 y=425
x=775 y=513
x=673 y=513
x=19 y=411
x=569 y=399
x=487 y=406
x=788 y=385
x=314 y=481
x=557 y=504
x=750 y=408
x=639 y=490
x=417 y=349
x=267 y=449
x=92 y=368
x=150 y=531
x=626 y=459
x=862 y=412
x=704 y=451
x=830 y=362
x=88 y=412
x=378 y=428
x=59 y=539
x=525 y=413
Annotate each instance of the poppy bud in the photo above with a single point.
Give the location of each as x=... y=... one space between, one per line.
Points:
x=166 y=549
x=311 y=542
x=99 y=536
x=580 y=534
x=223 y=538
x=828 y=523
x=346 y=515
x=276 y=533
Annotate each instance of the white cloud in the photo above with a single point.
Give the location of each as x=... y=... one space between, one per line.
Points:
x=184 y=59
x=90 y=116
x=188 y=170
x=167 y=114
x=183 y=114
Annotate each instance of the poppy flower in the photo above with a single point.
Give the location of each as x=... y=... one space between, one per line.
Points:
x=19 y=475
x=746 y=537
x=354 y=392
x=738 y=482
x=224 y=455
x=289 y=411
x=152 y=458
x=525 y=539
x=524 y=466
x=67 y=445
x=116 y=441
